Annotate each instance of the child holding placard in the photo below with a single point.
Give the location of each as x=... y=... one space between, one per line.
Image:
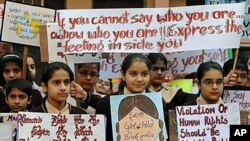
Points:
x=57 y=82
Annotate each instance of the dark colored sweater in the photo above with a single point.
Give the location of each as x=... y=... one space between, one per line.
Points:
x=72 y=109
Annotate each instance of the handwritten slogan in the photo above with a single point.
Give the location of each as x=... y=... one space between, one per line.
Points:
x=133 y=121
x=238 y=96
x=206 y=122
x=8 y=126
x=41 y=127
x=151 y=29
x=246 y=22
x=21 y=23
x=56 y=50
x=188 y=61
x=178 y=62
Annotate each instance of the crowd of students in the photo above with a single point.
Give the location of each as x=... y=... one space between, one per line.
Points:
x=140 y=74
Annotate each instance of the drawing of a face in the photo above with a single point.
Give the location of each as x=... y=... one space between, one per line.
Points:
x=137 y=125
x=138 y=119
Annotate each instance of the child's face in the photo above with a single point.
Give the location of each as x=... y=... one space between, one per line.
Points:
x=103 y=86
x=211 y=85
x=88 y=76
x=137 y=77
x=58 y=87
x=17 y=100
x=11 y=71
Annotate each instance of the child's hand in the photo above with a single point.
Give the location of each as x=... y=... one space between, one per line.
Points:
x=230 y=79
x=77 y=92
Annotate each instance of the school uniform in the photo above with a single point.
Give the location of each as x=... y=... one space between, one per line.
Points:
x=90 y=103
x=174 y=96
x=48 y=108
x=2 y=98
x=200 y=101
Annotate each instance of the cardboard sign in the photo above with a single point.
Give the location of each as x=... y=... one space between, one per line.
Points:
x=131 y=119
x=21 y=23
x=44 y=126
x=206 y=122
x=246 y=22
x=185 y=84
x=237 y=94
x=179 y=62
x=8 y=126
x=55 y=50
x=151 y=29
x=189 y=61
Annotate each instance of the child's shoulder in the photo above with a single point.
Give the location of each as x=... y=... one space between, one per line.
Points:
x=76 y=110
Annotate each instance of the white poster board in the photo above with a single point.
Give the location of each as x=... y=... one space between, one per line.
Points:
x=48 y=127
x=21 y=23
x=152 y=29
x=179 y=62
x=206 y=122
x=56 y=49
x=8 y=126
x=237 y=95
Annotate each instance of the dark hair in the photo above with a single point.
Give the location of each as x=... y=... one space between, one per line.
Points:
x=95 y=63
x=111 y=84
x=143 y=103
x=240 y=65
x=154 y=57
x=128 y=61
x=206 y=66
x=7 y=58
x=51 y=68
x=21 y=84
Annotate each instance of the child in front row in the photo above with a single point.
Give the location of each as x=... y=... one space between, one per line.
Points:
x=56 y=82
x=18 y=96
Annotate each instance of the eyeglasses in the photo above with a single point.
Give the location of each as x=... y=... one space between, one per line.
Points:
x=86 y=74
x=242 y=76
x=210 y=82
x=162 y=69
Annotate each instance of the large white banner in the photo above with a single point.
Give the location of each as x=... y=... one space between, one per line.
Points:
x=151 y=29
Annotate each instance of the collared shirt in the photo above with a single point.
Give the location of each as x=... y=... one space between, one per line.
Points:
x=201 y=101
x=52 y=109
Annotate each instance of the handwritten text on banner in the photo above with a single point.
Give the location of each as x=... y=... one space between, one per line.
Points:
x=206 y=122
x=151 y=29
x=40 y=126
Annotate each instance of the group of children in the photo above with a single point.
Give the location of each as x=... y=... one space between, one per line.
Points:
x=140 y=74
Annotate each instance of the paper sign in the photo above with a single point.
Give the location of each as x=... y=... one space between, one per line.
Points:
x=237 y=95
x=130 y=115
x=206 y=122
x=246 y=22
x=56 y=50
x=8 y=126
x=185 y=84
x=189 y=61
x=151 y=29
x=48 y=127
x=21 y=23
x=179 y=62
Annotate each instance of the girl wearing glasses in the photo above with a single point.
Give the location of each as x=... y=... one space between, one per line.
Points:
x=210 y=78
x=173 y=96
x=135 y=71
